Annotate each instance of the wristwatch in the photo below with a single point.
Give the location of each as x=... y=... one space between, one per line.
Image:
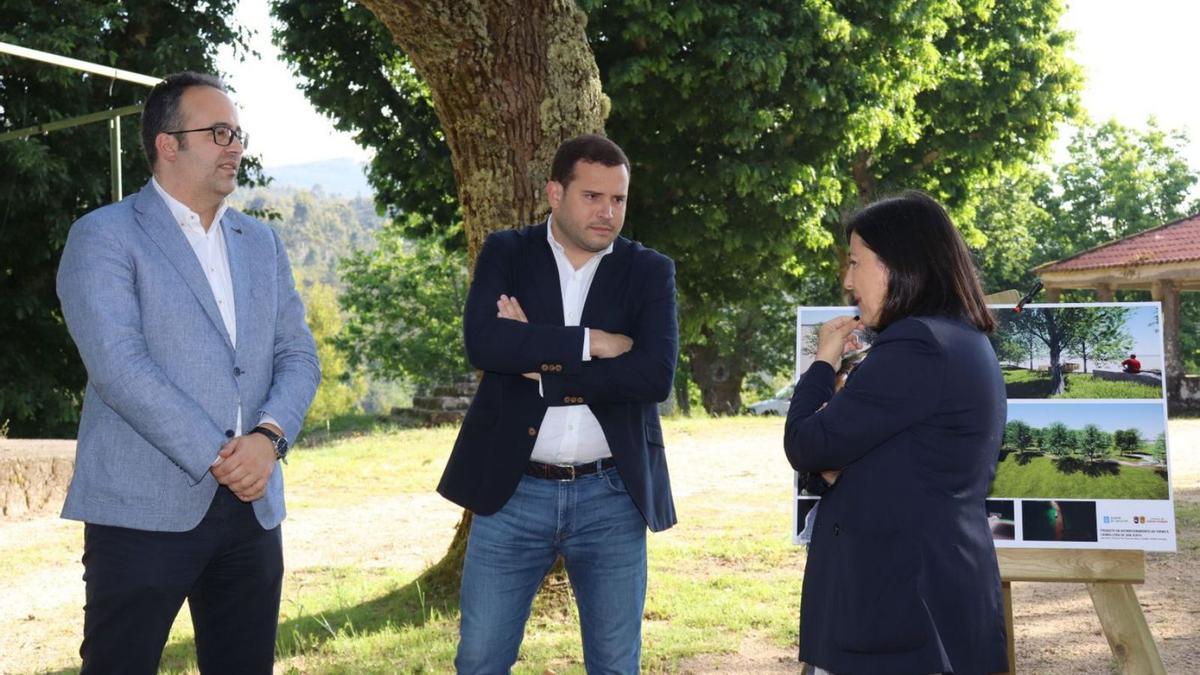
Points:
x=280 y=443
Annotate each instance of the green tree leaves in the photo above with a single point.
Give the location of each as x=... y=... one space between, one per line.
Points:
x=405 y=303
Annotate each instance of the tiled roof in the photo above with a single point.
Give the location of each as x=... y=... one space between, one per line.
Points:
x=1171 y=243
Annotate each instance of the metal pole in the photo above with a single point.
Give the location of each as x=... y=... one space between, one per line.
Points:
x=114 y=152
x=107 y=71
x=68 y=123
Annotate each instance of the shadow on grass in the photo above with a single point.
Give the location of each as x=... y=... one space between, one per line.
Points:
x=412 y=605
x=1025 y=457
x=1036 y=387
x=1069 y=465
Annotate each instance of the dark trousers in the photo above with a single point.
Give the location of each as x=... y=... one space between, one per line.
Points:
x=228 y=568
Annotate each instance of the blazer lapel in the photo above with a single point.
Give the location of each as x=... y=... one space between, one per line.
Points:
x=613 y=268
x=239 y=271
x=545 y=276
x=155 y=218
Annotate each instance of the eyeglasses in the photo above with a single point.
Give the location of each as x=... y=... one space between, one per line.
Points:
x=222 y=135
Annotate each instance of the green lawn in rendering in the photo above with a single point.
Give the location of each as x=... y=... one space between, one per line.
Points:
x=1022 y=383
x=1049 y=477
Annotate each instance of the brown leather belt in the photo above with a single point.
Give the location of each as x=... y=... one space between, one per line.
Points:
x=567 y=472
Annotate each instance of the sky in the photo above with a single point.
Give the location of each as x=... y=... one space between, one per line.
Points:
x=284 y=127
x=1138 y=57
x=1146 y=417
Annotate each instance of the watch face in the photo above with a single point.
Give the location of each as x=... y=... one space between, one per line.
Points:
x=281 y=446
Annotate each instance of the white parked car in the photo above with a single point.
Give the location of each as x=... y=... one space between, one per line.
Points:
x=776 y=405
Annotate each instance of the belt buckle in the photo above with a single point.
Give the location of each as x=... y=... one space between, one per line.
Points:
x=570 y=467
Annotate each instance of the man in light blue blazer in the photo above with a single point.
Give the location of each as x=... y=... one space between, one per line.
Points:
x=200 y=367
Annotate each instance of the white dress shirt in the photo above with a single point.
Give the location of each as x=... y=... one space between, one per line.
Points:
x=209 y=246
x=571 y=434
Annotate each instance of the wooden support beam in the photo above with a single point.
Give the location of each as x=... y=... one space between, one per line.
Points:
x=1126 y=629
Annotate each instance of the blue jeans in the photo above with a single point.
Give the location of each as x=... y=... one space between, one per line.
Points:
x=593 y=524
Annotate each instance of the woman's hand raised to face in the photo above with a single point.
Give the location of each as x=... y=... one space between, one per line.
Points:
x=836 y=338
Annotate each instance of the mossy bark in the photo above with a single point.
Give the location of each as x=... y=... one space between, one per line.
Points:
x=510 y=80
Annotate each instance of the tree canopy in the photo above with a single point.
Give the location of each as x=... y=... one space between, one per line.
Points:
x=750 y=127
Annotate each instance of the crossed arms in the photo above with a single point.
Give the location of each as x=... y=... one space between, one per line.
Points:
x=633 y=365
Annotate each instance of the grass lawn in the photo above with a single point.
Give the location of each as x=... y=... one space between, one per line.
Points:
x=1045 y=476
x=726 y=574
x=1022 y=383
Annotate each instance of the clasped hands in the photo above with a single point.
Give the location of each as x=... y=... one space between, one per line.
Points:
x=836 y=339
x=602 y=344
x=245 y=463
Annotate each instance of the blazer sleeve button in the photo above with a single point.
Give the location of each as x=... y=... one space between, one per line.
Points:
x=545 y=368
x=558 y=368
x=532 y=431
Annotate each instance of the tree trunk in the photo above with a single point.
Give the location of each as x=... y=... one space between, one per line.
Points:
x=510 y=80
x=719 y=378
x=1058 y=383
x=681 y=397
x=1054 y=342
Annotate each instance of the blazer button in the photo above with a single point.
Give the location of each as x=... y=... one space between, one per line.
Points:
x=558 y=368
x=229 y=433
x=545 y=368
x=836 y=529
x=532 y=431
x=568 y=399
x=579 y=399
x=237 y=372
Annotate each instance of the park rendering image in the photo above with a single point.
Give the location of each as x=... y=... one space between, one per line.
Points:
x=1076 y=352
x=1098 y=450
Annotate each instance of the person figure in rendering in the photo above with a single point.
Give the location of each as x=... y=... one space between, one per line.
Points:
x=1131 y=365
x=901 y=574
x=200 y=367
x=561 y=452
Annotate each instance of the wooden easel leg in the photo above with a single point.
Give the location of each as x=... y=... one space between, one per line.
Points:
x=1006 y=589
x=1126 y=629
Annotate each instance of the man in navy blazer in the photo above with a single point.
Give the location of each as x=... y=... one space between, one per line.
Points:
x=200 y=366
x=561 y=452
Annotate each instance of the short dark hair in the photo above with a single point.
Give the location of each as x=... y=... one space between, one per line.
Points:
x=161 y=112
x=593 y=148
x=930 y=269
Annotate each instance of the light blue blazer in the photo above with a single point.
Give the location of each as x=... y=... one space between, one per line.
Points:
x=164 y=380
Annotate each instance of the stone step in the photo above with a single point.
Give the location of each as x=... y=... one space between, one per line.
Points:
x=425 y=417
x=465 y=388
x=442 y=402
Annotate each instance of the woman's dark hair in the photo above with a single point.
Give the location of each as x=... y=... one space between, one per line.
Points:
x=930 y=269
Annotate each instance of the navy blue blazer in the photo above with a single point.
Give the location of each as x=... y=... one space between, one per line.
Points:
x=901 y=574
x=633 y=293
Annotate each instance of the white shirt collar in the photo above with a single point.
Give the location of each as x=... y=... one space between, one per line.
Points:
x=181 y=213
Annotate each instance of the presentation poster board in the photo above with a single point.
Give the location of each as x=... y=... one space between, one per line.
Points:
x=1085 y=460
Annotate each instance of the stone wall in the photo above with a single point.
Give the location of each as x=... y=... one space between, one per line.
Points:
x=34 y=475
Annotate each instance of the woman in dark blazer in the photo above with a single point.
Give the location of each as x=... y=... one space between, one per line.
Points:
x=901 y=574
